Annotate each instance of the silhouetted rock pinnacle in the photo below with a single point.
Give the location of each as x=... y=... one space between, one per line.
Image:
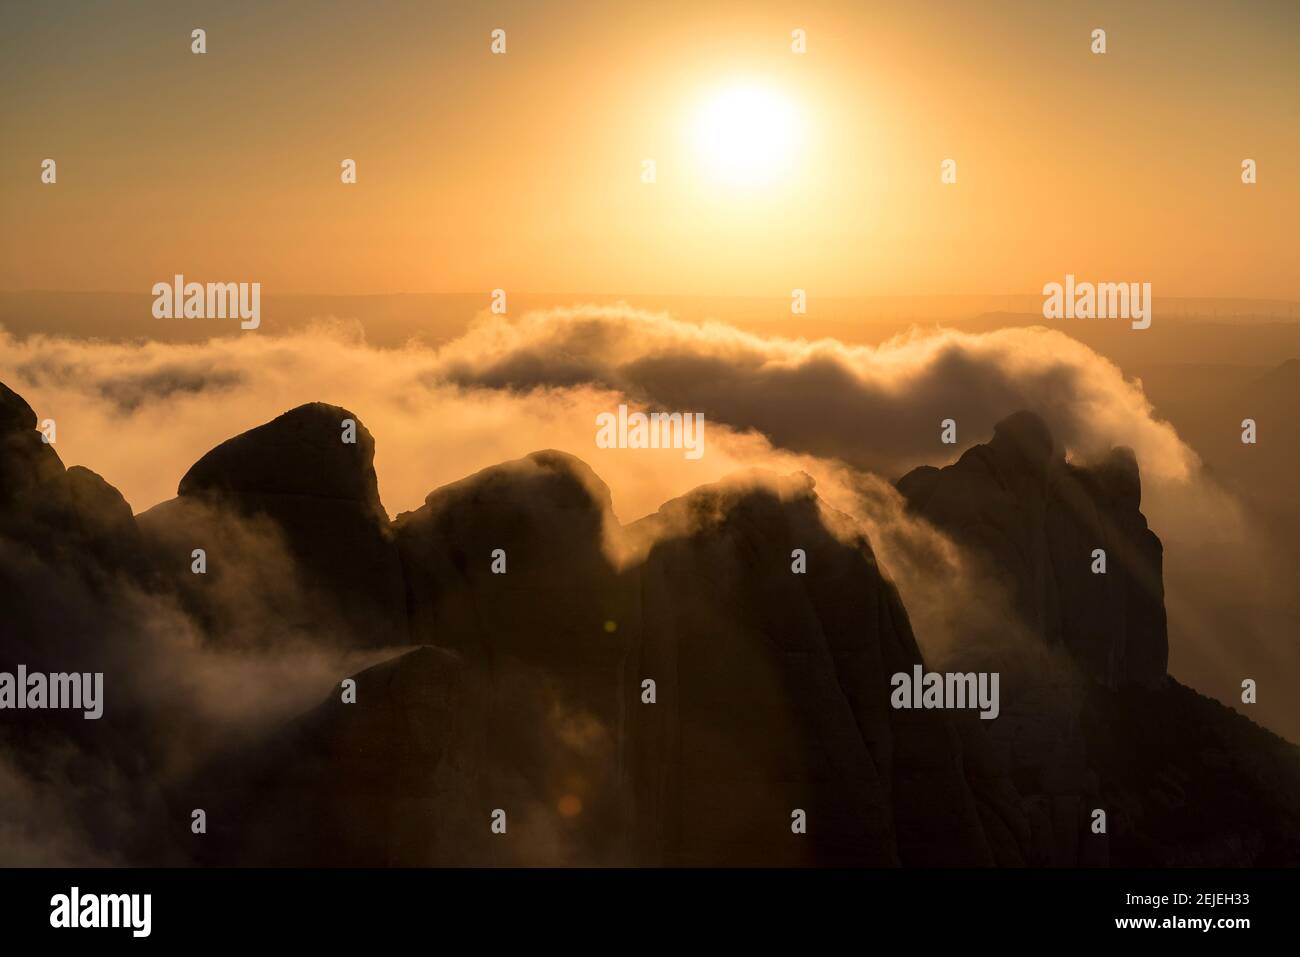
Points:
x=1034 y=522
x=322 y=494
x=668 y=692
x=299 y=454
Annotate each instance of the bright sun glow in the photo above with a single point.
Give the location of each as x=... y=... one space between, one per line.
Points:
x=747 y=135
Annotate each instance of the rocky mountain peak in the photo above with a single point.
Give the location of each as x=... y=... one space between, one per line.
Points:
x=304 y=452
x=681 y=702
x=1024 y=437
x=15 y=414
x=1080 y=566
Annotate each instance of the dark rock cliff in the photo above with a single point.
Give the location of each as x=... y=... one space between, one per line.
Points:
x=1035 y=521
x=527 y=691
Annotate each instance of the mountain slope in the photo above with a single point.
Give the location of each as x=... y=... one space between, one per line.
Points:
x=678 y=691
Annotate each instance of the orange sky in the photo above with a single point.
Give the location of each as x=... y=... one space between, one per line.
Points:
x=523 y=171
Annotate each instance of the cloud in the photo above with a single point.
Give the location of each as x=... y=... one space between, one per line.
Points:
x=507 y=388
x=854 y=418
x=877 y=408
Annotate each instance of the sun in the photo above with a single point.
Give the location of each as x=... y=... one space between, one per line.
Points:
x=747 y=134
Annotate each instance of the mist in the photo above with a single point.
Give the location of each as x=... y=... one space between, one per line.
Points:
x=853 y=418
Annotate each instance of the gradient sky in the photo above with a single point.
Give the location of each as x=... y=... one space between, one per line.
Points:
x=523 y=171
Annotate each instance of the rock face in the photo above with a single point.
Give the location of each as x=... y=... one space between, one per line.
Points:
x=69 y=551
x=669 y=692
x=320 y=493
x=546 y=517
x=39 y=496
x=770 y=693
x=63 y=522
x=1035 y=521
x=773 y=695
x=1030 y=523
x=1190 y=783
x=405 y=765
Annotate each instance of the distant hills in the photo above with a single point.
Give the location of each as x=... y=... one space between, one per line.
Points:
x=392 y=319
